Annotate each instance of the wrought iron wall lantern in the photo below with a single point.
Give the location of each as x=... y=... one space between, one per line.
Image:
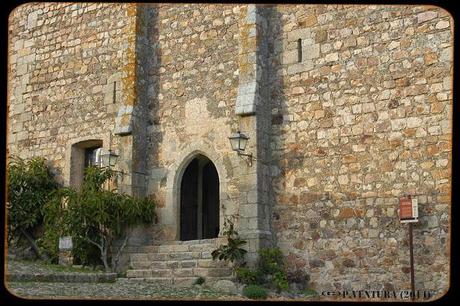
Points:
x=109 y=158
x=238 y=141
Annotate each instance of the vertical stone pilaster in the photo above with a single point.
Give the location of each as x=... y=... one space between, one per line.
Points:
x=253 y=108
x=248 y=97
x=131 y=120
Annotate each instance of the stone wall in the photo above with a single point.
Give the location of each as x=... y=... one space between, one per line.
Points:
x=73 y=78
x=347 y=109
x=362 y=119
x=194 y=81
x=63 y=62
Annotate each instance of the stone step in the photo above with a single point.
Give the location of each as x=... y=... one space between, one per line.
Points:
x=159 y=280
x=163 y=256
x=172 y=264
x=213 y=272
x=139 y=273
x=176 y=248
x=178 y=281
x=189 y=242
x=181 y=272
x=178 y=262
x=176 y=256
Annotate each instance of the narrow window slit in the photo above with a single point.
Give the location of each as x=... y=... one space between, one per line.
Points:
x=114 y=92
x=299 y=50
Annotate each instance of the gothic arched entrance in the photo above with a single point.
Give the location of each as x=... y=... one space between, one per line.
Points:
x=199 y=200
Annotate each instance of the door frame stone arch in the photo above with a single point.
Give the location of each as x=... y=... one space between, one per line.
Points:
x=171 y=212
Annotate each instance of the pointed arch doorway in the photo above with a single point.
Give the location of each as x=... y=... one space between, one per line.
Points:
x=199 y=200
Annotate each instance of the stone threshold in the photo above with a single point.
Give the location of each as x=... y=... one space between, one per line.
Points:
x=186 y=242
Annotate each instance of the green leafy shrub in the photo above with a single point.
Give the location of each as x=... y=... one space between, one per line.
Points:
x=233 y=250
x=280 y=281
x=273 y=272
x=309 y=292
x=49 y=243
x=30 y=185
x=85 y=253
x=271 y=265
x=298 y=276
x=255 y=292
x=247 y=276
x=271 y=260
x=200 y=280
x=96 y=216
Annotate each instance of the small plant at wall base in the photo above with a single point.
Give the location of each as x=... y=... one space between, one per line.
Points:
x=272 y=272
x=309 y=292
x=30 y=185
x=233 y=250
x=247 y=276
x=95 y=216
x=297 y=278
x=280 y=281
x=200 y=280
x=271 y=260
x=255 y=292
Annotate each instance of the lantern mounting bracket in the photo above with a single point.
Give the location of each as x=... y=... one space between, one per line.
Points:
x=249 y=156
x=238 y=141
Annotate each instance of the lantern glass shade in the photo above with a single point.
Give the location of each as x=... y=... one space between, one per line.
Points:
x=238 y=141
x=109 y=159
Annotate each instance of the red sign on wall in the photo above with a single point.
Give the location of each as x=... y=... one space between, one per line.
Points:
x=408 y=210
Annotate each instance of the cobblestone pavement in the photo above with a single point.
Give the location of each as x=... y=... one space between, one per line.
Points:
x=36 y=267
x=124 y=289
x=121 y=289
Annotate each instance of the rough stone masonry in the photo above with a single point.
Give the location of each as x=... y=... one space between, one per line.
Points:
x=348 y=108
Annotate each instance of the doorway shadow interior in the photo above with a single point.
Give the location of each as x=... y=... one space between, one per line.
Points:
x=199 y=200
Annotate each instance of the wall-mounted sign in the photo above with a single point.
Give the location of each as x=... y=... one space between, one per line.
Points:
x=408 y=210
x=65 y=243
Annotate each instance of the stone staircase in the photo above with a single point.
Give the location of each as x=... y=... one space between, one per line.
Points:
x=178 y=262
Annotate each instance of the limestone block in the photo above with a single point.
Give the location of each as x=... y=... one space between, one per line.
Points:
x=19 y=44
x=21 y=69
x=299 y=33
x=442 y=24
x=245 y=106
x=426 y=16
x=32 y=20
x=290 y=57
x=300 y=67
x=446 y=55
x=332 y=57
x=251 y=14
x=393 y=45
x=310 y=51
x=414 y=122
x=23 y=135
x=225 y=286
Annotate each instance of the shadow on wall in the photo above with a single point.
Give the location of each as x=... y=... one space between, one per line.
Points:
x=145 y=129
x=145 y=115
x=278 y=107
